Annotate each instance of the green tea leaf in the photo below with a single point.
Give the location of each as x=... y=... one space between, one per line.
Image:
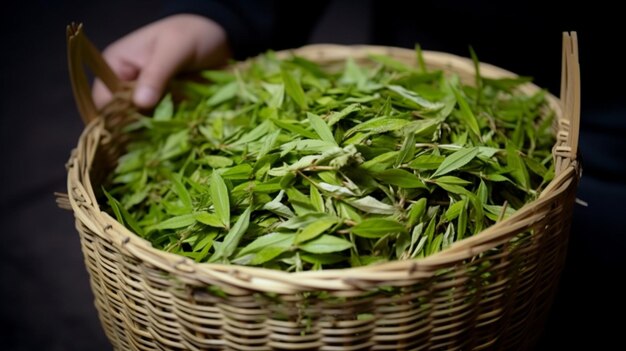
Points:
x=294 y=128
x=391 y=63
x=225 y=93
x=435 y=245
x=335 y=189
x=322 y=259
x=370 y=204
x=268 y=144
x=420 y=58
x=182 y=221
x=122 y=214
x=221 y=202
x=279 y=208
x=215 y=161
x=344 y=210
x=326 y=244
x=115 y=206
x=507 y=84
x=239 y=172
x=315 y=229
x=267 y=254
x=353 y=74
x=321 y=128
x=415 y=100
x=454 y=210
x=279 y=240
x=335 y=117
x=209 y=219
x=426 y=162
x=316 y=199
x=175 y=145
x=400 y=178
x=218 y=76
x=377 y=228
x=380 y=162
x=452 y=188
x=536 y=167
x=466 y=113
x=181 y=191
x=300 y=202
x=378 y=125
x=302 y=221
x=495 y=211
x=416 y=211
x=403 y=241
x=165 y=109
x=516 y=166
x=254 y=134
x=462 y=222
x=407 y=151
x=277 y=94
x=293 y=88
x=204 y=244
x=231 y=240
x=456 y=160
x=482 y=192
x=478 y=82
x=451 y=180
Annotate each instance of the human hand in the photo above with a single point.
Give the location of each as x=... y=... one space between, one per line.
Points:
x=153 y=54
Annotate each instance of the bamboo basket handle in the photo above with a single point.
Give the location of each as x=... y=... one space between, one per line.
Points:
x=570 y=102
x=81 y=51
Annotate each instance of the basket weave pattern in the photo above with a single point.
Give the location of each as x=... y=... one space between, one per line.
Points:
x=489 y=291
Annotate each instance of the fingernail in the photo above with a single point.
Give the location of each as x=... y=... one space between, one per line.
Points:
x=145 y=96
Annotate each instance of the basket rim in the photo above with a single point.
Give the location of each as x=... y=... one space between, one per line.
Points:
x=237 y=278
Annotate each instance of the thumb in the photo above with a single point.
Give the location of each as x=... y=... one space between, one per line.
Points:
x=166 y=60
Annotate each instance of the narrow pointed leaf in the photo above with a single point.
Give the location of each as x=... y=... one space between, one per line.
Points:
x=209 y=219
x=516 y=166
x=415 y=99
x=326 y=244
x=401 y=178
x=281 y=240
x=377 y=228
x=456 y=160
x=335 y=117
x=315 y=229
x=370 y=204
x=321 y=128
x=221 y=202
x=466 y=113
x=426 y=162
x=165 y=109
x=293 y=88
x=182 y=221
x=231 y=240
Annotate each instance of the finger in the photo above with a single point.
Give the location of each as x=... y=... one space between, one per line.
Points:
x=169 y=55
x=101 y=95
x=124 y=70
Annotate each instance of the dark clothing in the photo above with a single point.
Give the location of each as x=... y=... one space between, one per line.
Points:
x=255 y=26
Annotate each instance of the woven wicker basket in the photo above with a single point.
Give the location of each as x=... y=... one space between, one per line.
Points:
x=489 y=291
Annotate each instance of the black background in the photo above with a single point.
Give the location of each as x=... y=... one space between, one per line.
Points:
x=45 y=299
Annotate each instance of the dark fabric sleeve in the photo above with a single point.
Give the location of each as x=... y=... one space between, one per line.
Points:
x=255 y=26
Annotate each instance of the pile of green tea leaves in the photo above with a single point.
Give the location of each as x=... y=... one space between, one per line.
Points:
x=286 y=164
